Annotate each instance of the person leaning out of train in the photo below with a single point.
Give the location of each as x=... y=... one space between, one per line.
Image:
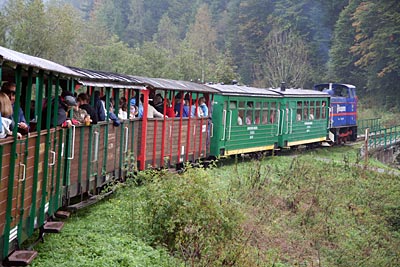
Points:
x=6 y=111
x=9 y=89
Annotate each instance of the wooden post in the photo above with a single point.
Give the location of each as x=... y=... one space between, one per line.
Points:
x=366 y=147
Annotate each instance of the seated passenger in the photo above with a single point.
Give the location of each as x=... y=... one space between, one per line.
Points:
x=123 y=112
x=65 y=103
x=79 y=114
x=170 y=112
x=159 y=103
x=99 y=107
x=240 y=117
x=239 y=120
x=195 y=111
x=151 y=111
x=311 y=116
x=186 y=110
x=178 y=104
x=83 y=101
x=272 y=116
x=9 y=89
x=6 y=111
x=133 y=112
x=248 y=117
x=203 y=107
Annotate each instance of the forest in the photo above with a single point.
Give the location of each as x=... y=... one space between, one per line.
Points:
x=258 y=43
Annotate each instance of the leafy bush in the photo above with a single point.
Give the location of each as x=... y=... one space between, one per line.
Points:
x=187 y=214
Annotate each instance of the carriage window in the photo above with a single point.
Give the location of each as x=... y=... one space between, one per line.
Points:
x=341 y=91
x=299 y=110
x=312 y=110
x=323 y=109
x=306 y=110
x=249 y=117
x=232 y=105
x=249 y=112
x=272 y=115
x=257 y=119
x=318 y=110
x=240 y=113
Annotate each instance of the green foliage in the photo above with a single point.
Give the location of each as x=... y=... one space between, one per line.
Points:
x=317 y=208
x=186 y=214
x=314 y=211
x=98 y=237
x=46 y=31
x=113 y=56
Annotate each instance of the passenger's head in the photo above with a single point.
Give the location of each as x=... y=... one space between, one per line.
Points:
x=66 y=93
x=158 y=99
x=5 y=105
x=83 y=98
x=9 y=89
x=70 y=101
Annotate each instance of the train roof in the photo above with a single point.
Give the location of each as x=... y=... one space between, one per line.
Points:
x=18 y=58
x=332 y=85
x=167 y=84
x=299 y=92
x=241 y=90
x=106 y=79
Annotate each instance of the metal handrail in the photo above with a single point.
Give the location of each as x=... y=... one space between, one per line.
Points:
x=224 y=123
x=384 y=137
x=73 y=142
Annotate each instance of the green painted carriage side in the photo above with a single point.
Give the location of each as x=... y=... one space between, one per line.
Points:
x=217 y=138
x=298 y=128
x=257 y=134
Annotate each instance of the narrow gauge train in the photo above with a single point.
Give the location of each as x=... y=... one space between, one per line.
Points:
x=54 y=168
x=342 y=111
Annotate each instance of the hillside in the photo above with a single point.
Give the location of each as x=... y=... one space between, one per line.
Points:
x=313 y=208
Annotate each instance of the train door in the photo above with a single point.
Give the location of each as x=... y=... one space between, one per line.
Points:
x=218 y=126
x=352 y=106
x=231 y=113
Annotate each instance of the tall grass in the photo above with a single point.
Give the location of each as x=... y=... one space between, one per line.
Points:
x=318 y=208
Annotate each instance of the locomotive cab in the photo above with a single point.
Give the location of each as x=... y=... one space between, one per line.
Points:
x=342 y=111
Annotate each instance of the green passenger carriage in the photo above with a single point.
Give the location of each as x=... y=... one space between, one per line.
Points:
x=245 y=119
x=304 y=117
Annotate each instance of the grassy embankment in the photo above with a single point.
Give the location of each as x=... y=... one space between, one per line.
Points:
x=314 y=209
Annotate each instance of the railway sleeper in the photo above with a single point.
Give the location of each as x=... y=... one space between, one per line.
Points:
x=20 y=258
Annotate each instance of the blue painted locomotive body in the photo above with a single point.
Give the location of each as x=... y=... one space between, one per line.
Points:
x=342 y=111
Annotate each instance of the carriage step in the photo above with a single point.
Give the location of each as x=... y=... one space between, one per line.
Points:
x=53 y=227
x=20 y=258
x=62 y=214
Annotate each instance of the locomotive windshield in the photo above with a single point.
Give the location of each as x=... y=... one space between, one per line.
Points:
x=336 y=90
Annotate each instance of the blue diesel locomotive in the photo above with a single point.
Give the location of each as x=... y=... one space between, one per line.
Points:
x=342 y=111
